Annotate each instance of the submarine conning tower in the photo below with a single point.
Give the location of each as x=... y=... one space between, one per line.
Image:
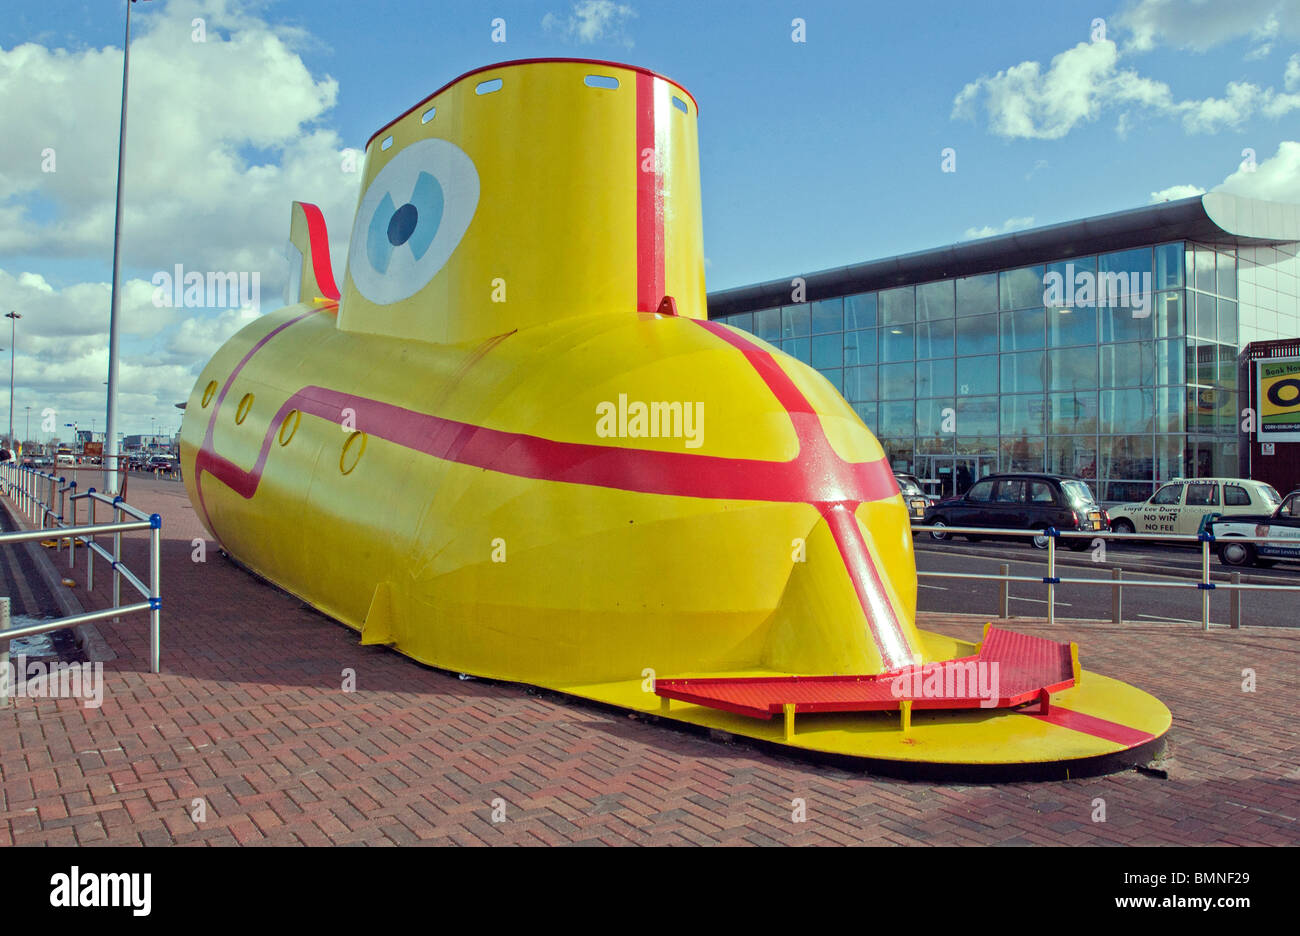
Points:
x=467 y=196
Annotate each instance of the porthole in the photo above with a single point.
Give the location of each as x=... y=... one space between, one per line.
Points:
x=209 y=392
x=289 y=426
x=353 y=449
x=241 y=412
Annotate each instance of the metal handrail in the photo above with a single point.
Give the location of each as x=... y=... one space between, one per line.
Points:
x=1204 y=585
x=28 y=488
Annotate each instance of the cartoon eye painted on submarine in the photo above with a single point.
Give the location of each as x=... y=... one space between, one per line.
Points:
x=411 y=219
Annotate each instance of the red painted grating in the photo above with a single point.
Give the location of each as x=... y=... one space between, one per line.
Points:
x=1010 y=669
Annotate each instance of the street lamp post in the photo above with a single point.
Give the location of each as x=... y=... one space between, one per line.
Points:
x=27 y=436
x=13 y=336
x=110 y=428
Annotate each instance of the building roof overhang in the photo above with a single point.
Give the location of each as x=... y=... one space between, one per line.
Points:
x=1216 y=217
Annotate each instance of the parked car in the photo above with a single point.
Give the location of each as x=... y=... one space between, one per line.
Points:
x=136 y=461
x=1282 y=523
x=1022 y=501
x=914 y=496
x=160 y=463
x=1180 y=505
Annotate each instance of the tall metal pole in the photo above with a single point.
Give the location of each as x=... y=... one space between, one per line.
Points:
x=13 y=318
x=110 y=430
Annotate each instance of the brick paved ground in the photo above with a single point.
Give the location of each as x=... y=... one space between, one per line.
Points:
x=248 y=714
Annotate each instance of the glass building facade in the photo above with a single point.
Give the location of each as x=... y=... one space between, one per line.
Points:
x=963 y=376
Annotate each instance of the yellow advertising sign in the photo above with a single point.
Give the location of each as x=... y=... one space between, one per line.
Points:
x=1278 y=398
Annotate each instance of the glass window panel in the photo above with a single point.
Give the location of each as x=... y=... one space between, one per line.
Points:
x=900 y=454
x=827 y=316
x=1126 y=467
x=896 y=343
x=1206 y=318
x=1023 y=330
x=1205 y=264
x=795 y=321
x=934 y=445
x=1227 y=367
x=867 y=413
x=897 y=306
x=977 y=335
x=1071 y=326
x=1073 y=455
x=1169 y=265
x=1127 y=411
x=977 y=294
x=978 y=416
x=796 y=348
x=1131 y=364
x=836 y=376
x=828 y=351
x=1170 y=411
x=934 y=378
x=936 y=418
x=743 y=321
x=1137 y=260
x=1072 y=413
x=977 y=375
x=1073 y=368
x=897 y=418
x=1169 y=314
x=1207 y=363
x=1169 y=457
x=1126 y=323
x=859 y=384
x=934 y=301
x=1022 y=454
x=934 y=339
x=1227 y=321
x=1024 y=372
x=1022 y=415
x=768 y=324
x=1189 y=265
x=896 y=381
x=860 y=347
x=1020 y=289
x=1169 y=361
x=860 y=311
x=1227 y=278
x=1070 y=275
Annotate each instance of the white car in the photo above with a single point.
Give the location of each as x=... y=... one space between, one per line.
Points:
x=1282 y=524
x=1179 y=506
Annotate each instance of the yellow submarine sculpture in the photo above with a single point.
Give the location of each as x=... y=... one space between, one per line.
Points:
x=516 y=447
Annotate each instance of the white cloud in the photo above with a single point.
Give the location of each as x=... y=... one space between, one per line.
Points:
x=591 y=21
x=1202 y=24
x=1024 y=101
x=1080 y=83
x=1175 y=192
x=1011 y=224
x=1274 y=179
x=1292 y=76
x=222 y=136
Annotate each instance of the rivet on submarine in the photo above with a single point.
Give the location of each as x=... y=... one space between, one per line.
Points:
x=479 y=452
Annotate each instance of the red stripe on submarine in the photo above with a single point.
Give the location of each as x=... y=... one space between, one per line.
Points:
x=514 y=446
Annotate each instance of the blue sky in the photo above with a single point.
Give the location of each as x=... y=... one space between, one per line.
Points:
x=813 y=154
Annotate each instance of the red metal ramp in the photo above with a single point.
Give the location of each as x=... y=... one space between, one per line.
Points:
x=1010 y=669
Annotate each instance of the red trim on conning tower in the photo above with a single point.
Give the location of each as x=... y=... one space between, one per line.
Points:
x=319 y=237
x=530 y=61
x=649 y=200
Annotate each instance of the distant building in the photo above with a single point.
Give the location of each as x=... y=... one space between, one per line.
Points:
x=1005 y=354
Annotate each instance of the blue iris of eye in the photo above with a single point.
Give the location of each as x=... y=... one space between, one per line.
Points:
x=414 y=223
x=402 y=224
